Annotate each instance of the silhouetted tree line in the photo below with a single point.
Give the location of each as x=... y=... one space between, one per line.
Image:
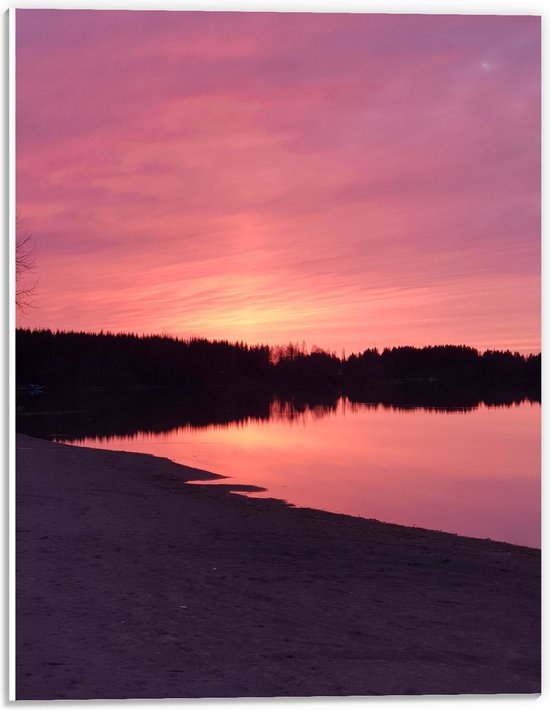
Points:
x=62 y=359
x=443 y=363
x=72 y=359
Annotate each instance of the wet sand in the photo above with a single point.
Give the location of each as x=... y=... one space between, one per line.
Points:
x=132 y=583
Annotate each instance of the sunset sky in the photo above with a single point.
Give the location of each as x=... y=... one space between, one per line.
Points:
x=350 y=181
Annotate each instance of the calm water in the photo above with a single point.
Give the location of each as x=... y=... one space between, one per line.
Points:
x=474 y=472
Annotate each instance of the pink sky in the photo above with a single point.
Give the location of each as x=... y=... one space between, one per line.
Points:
x=348 y=180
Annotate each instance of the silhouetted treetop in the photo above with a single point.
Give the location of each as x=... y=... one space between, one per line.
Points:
x=78 y=359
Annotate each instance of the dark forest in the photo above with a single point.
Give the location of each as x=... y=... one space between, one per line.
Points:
x=65 y=359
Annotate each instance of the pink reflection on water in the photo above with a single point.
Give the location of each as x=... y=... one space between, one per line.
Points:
x=473 y=473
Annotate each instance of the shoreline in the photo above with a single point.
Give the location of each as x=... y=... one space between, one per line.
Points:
x=132 y=583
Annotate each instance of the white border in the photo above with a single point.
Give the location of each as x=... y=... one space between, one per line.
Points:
x=11 y=352
x=472 y=7
x=442 y=7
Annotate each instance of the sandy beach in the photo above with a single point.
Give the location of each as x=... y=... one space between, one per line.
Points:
x=132 y=583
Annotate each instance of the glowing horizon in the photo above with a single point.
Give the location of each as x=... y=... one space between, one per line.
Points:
x=350 y=181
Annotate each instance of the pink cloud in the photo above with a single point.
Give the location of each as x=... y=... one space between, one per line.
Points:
x=347 y=180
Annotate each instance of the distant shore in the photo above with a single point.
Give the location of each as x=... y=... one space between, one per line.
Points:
x=132 y=583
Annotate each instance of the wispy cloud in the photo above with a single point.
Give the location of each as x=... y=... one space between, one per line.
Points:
x=347 y=180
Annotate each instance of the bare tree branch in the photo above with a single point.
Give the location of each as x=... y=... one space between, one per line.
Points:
x=24 y=263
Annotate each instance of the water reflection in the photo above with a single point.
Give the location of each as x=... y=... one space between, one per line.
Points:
x=73 y=415
x=472 y=469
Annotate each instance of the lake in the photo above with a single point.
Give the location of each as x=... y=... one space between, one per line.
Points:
x=472 y=471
